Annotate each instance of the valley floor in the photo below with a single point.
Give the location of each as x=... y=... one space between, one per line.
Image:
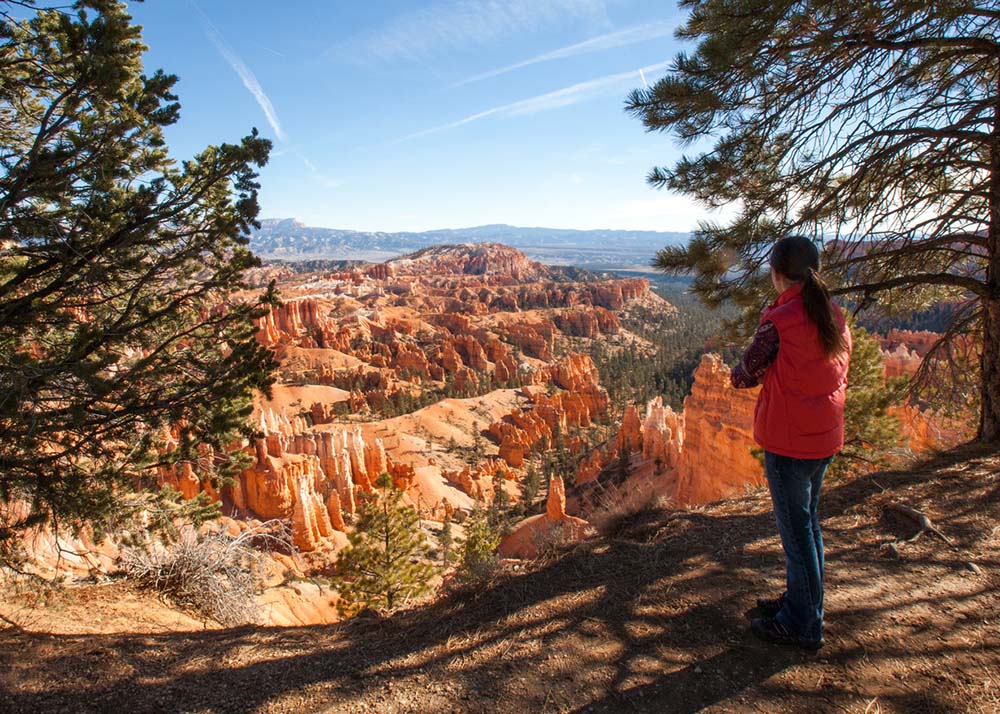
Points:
x=649 y=620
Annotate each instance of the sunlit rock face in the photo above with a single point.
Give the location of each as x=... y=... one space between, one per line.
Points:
x=903 y=350
x=582 y=401
x=550 y=529
x=700 y=455
x=311 y=477
x=923 y=428
x=706 y=453
x=715 y=460
x=900 y=361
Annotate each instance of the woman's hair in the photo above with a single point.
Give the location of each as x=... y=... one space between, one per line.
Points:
x=797 y=259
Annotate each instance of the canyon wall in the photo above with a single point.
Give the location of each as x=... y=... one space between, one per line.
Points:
x=700 y=455
x=923 y=428
x=715 y=461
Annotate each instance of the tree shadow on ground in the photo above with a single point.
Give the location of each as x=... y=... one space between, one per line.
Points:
x=615 y=625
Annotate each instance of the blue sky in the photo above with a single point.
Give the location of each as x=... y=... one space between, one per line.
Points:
x=435 y=114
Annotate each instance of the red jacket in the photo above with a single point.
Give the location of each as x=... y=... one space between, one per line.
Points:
x=800 y=409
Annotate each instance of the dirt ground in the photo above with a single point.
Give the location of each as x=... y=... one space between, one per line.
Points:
x=650 y=619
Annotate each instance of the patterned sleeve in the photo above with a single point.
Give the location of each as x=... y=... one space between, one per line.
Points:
x=759 y=356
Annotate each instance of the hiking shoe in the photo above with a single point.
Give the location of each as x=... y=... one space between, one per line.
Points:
x=769 y=607
x=769 y=629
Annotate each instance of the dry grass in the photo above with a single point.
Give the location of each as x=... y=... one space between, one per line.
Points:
x=615 y=512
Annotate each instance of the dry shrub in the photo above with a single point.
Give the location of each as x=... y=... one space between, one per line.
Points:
x=616 y=512
x=551 y=543
x=215 y=574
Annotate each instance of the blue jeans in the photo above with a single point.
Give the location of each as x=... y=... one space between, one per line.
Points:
x=795 y=485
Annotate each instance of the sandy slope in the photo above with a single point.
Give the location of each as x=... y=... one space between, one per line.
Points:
x=290 y=399
x=422 y=439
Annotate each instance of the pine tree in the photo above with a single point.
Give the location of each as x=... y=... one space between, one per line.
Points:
x=498 y=512
x=624 y=462
x=478 y=447
x=118 y=273
x=386 y=562
x=446 y=541
x=872 y=126
x=564 y=459
x=532 y=484
x=870 y=431
x=479 y=557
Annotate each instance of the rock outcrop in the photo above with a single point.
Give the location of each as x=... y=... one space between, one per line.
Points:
x=630 y=433
x=582 y=401
x=298 y=322
x=701 y=455
x=662 y=435
x=715 y=459
x=587 y=322
x=554 y=528
x=900 y=361
x=312 y=478
x=920 y=342
x=481 y=481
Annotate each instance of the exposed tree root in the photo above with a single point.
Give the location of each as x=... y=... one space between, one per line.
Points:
x=925 y=523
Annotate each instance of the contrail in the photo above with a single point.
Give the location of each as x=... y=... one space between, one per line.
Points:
x=246 y=76
x=622 y=38
x=567 y=96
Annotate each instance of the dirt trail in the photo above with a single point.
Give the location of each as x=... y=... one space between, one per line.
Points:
x=651 y=620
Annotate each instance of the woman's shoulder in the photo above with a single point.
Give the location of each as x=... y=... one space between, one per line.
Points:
x=785 y=313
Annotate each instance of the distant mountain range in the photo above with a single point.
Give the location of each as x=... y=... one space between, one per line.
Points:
x=289 y=239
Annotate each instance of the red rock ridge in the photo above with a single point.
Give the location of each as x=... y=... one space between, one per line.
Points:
x=490 y=259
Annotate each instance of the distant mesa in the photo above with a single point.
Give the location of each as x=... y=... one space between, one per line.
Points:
x=290 y=239
x=475 y=259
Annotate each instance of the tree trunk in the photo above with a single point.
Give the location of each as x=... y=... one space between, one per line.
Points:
x=989 y=422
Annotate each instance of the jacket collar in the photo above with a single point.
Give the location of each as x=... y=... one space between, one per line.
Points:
x=791 y=292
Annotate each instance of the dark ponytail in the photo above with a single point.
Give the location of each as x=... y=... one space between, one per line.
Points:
x=796 y=258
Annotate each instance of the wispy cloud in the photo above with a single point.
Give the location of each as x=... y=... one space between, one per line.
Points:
x=461 y=24
x=564 y=97
x=272 y=51
x=324 y=180
x=621 y=38
x=245 y=75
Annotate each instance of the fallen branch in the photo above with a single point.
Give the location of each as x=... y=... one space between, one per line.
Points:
x=925 y=523
x=10 y=623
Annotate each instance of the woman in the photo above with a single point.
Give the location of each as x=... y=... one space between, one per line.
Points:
x=801 y=353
